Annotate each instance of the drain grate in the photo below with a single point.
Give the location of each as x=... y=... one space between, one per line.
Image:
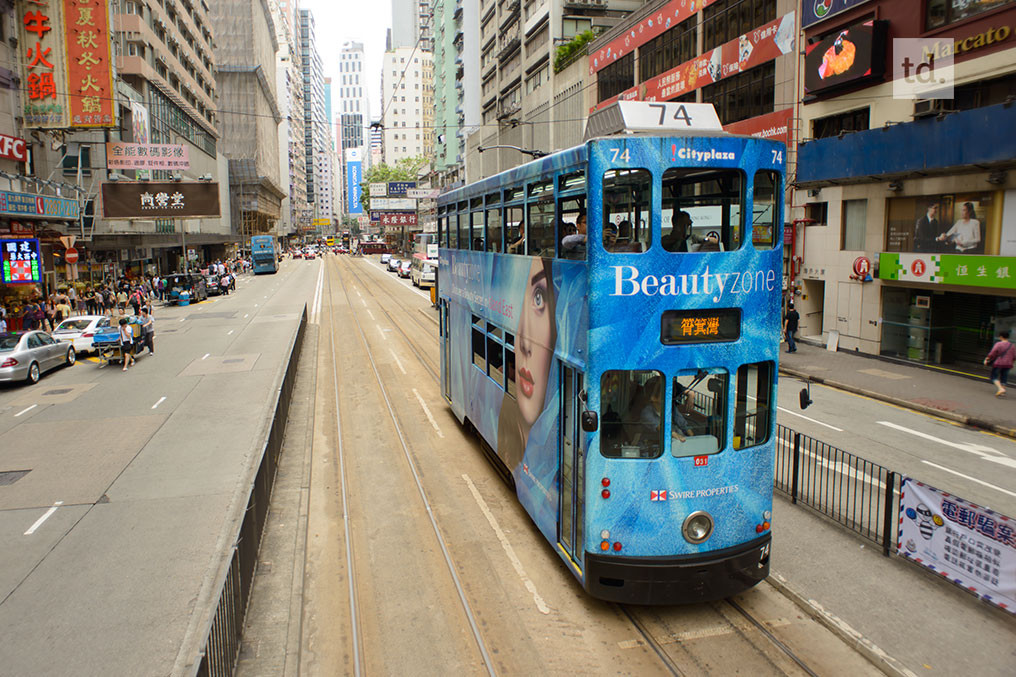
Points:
x=9 y=477
x=58 y=391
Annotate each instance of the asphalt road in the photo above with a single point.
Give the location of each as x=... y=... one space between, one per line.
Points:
x=109 y=542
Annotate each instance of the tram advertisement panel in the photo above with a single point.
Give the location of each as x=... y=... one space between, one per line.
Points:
x=972 y=546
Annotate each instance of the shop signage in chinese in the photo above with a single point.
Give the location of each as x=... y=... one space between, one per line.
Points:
x=21 y=261
x=13 y=148
x=120 y=155
x=89 y=66
x=995 y=272
x=43 y=63
x=399 y=188
x=971 y=546
x=393 y=204
x=42 y=206
x=396 y=218
x=148 y=200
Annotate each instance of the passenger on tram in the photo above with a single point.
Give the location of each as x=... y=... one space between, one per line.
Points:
x=574 y=246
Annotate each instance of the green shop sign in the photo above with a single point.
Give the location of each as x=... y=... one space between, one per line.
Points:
x=995 y=272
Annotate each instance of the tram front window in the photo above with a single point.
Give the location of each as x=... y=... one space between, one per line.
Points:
x=698 y=412
x=702 y=210
x=631 y=403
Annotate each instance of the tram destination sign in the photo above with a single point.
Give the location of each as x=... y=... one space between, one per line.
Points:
x=150 y=200
x=679 y=327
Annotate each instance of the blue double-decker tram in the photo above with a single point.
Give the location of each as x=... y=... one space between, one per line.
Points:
x=610 y=319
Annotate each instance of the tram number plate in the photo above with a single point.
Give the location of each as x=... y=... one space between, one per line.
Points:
x=700 y=326
x=701 y=460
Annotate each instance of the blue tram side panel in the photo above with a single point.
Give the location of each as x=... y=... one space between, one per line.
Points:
x=569 y=326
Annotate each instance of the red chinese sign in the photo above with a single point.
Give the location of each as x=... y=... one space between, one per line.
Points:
x=40 y=42
x=89 y=69
x=397 y=219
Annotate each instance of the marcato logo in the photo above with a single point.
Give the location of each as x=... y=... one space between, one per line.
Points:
x=822 y=8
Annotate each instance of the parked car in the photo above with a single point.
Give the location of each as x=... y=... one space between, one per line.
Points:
x=405 y=267
x=385 y=258
x=192 y=283
x=393 y=265
x=79 y=331
x=27 y=355
x=212 y=285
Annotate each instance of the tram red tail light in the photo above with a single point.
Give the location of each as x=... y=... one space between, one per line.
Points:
x=605 y=493
x=605 y=481
x=617 y=546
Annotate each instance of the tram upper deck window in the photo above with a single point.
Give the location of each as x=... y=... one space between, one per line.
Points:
x=494 y=243
x=515 y=226
x=572 y=228
x=702 y=209
x=698 y=412
x=627 y=204
x=453 y=231
x=764 y=231
x=476 y=219
x=631 y=406
x=540 y=224
x=464 y=236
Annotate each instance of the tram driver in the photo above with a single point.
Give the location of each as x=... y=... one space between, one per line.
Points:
x=682 y=239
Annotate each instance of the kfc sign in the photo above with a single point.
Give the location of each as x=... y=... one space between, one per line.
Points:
x=13 y=148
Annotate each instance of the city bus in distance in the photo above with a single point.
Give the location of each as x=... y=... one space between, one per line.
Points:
x=264 y=254
x=609 y=326
x=330 y=240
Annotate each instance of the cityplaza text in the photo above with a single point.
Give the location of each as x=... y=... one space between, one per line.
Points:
x=705 y=155
x=628 y=282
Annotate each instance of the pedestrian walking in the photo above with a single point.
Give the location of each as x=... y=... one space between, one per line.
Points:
x=148 y=330
x=126 y=343
x=121 y=299
x=790 y=322
x=1001 y=359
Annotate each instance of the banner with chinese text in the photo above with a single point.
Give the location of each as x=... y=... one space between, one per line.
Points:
x=43 y=63
x=995 y=272
x=145 y=200
x=120 y=155
x=20 y=260
x=139 y=126
x=89 y=64
x=395 y=219
x=43 y=206
x=973 y=547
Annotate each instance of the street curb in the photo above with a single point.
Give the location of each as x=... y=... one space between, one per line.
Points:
x=876 y=656
x=962 y=419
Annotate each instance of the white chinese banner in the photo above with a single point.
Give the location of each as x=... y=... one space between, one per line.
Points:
x=972 y=546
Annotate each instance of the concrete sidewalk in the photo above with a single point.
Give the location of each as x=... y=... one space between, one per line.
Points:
x=955 y=396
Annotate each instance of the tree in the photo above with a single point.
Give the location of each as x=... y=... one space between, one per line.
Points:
x=405 y=169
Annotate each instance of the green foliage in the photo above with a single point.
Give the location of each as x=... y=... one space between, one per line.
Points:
x=405 y=169
x=569 y=51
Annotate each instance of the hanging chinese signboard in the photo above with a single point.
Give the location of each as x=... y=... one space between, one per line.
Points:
x=120 y=155
x=395 y=218
x=43 y=63
x=146 y=200
x=89 y=67
x=21 y=261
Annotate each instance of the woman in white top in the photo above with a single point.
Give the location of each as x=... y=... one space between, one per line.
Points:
x=965 y=233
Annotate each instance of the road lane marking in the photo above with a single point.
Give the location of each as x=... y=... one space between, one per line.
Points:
x=245 y=315
x=206 y=356
x=426 y=410
x=46 y=516
x=968 y=477
x=161 y=400
x=370 y=313
x=808 y=418
x=841 y=467
x=363 y=302
x=382 y=332
x=182 y=319
x=25 y=411
x=509 y=550
x=969 y=447
x=396 y=358
x=229 y=332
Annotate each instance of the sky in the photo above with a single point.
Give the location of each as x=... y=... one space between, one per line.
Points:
x=366 y=21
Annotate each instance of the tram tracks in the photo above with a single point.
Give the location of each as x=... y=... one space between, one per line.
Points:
x=675 y=648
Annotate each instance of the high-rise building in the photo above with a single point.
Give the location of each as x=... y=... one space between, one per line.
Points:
x=316 y=126
x=411 y=25
x=289 y=79
x=353 y=113
x=456 y=84
x=245 y=48
x=407 y=86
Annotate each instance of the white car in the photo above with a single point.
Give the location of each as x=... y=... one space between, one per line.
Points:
x=79 y=331
x=385 y=258
x=393 y=265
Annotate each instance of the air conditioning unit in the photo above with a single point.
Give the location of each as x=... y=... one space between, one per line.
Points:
x=924 y=108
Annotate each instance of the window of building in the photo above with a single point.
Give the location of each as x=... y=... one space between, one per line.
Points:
x=855 y=213
x=727 y=20
x=671 y=49
x=617 y=77
x=743 y=96
x=573 y=25
x=944 y=12
x=817 y=212
x=982 y=93
x=631 y=413
x=832 y=125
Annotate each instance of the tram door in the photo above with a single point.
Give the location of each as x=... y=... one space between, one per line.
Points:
x=446 y=351
x=572 y=465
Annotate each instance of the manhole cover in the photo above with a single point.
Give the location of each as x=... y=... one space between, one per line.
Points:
x=11 y=476
x=58 y=391
x=233 y=360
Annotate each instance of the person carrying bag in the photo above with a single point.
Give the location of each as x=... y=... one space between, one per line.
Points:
x=1001 y=359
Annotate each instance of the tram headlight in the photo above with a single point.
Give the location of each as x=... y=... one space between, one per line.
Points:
x=697 y=527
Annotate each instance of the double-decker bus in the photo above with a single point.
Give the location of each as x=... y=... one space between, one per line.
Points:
x=264 y=254
x=609 y=323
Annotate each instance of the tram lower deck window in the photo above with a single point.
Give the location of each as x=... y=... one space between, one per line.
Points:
x=753 y=405
x=631 y=406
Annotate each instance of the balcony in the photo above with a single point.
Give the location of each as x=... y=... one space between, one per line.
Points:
x=963 y=140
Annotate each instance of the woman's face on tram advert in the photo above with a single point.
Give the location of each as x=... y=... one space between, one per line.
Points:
x=536 y=336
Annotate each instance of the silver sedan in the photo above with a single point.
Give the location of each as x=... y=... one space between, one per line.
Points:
x=25 y=356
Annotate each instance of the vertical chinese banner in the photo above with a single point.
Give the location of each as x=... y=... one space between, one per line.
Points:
x=43 y=63
x=89 y=64
x=139 y=120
